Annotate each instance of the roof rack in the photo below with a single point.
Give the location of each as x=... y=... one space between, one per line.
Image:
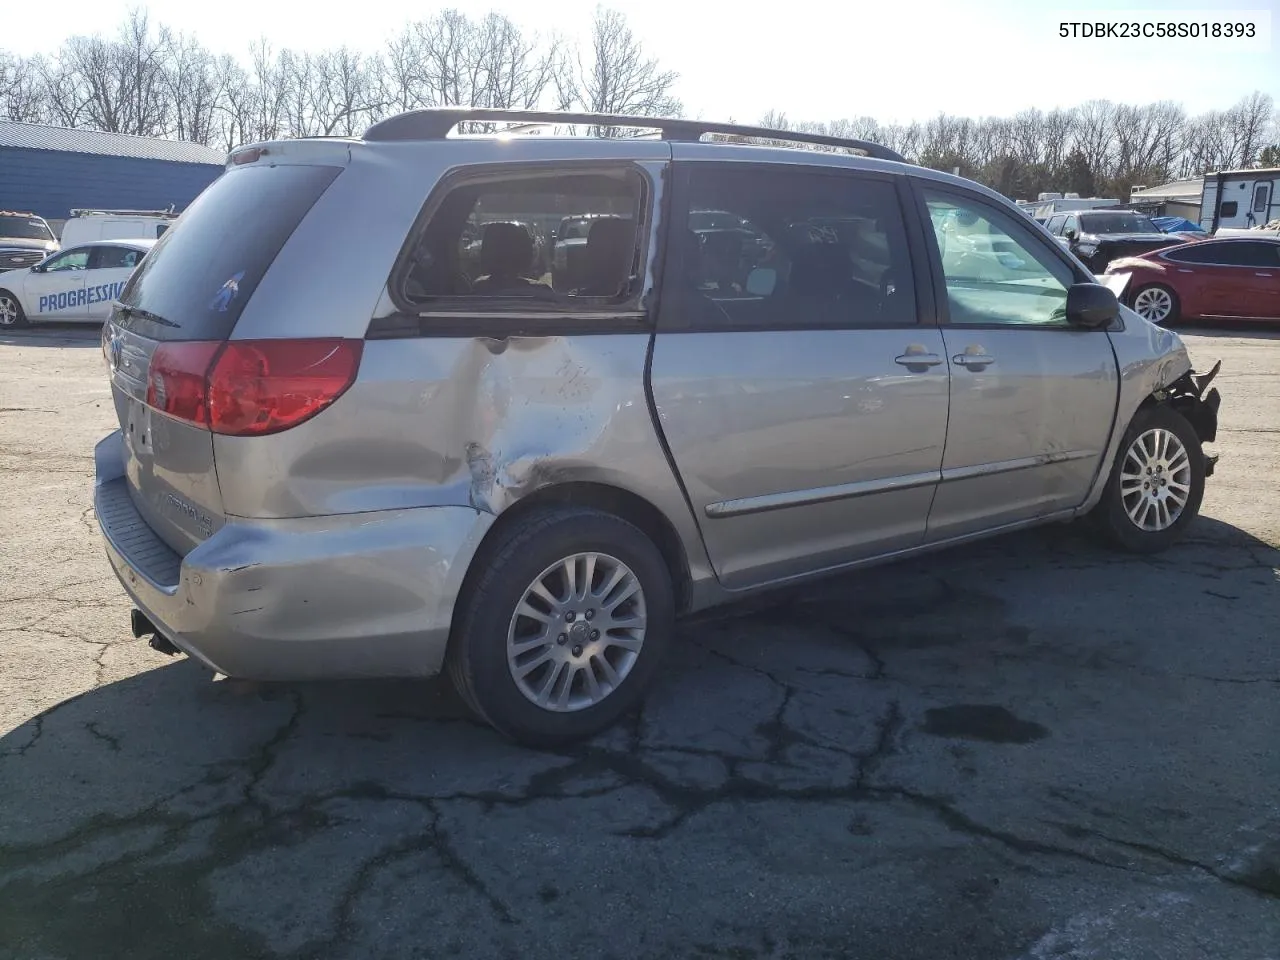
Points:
x=435 y=123
x=96 y=212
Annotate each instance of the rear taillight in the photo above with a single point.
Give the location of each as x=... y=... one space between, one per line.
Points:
x=177 y=381
x=251 y=387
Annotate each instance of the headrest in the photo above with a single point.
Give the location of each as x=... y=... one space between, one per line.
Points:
x=505 y=249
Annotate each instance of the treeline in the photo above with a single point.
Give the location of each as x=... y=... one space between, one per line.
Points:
x=150 y=81
x=1100 y=148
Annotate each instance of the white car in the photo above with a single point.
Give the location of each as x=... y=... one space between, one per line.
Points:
x=76 y=284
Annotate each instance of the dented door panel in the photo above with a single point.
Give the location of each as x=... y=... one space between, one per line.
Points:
x=466 y=422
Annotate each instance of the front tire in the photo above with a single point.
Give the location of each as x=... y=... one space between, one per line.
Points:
x=564 y=630
x=1156 y=484
x=1156 y=303
x=12 y=316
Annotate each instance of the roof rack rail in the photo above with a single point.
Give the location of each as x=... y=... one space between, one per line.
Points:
x=101 y=212
x=435 y=123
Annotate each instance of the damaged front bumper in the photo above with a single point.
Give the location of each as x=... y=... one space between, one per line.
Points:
x=1190 y=396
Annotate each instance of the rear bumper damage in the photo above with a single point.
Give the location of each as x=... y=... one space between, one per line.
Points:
x=1192 y=397
x=337 y=597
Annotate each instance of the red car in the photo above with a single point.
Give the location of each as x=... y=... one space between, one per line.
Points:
x=1236 y=278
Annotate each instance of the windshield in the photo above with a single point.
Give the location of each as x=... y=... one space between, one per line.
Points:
x=25 y=228
x=1116 y=223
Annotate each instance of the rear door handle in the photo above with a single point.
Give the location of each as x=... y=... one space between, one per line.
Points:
x=1262 y=274
x=918 y=360
x=975 y=360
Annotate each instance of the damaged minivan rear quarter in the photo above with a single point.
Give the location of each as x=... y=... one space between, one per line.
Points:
x=504 y=406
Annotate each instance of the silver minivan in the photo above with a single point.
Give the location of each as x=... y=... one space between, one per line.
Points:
x=366 y=430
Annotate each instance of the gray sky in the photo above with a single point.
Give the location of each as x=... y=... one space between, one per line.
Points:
x=814 y=59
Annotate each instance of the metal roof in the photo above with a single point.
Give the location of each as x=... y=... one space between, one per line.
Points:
x=35 y=136
x=1190 y=189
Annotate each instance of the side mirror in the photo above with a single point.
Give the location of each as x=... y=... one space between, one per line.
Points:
x=761 y=281
x=1071 y=235
x=1091 y=306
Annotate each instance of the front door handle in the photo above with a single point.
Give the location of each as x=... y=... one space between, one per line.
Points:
x=918 y=360
x=1262 y=274
x=975 y=360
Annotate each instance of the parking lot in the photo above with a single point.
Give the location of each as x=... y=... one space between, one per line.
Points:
x=1031 y=748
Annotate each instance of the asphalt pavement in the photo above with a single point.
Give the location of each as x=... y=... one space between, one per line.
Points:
x=1031 y=748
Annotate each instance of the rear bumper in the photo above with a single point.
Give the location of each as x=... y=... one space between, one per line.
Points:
x=358 y=595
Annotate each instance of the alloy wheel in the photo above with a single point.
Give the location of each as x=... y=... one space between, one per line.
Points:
x=1155 y=481
x=577 y=632
x=1153 y=304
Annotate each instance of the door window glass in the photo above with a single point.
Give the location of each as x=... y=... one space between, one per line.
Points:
x=71 y=260
x=995 y=270
x=787 y=249
x=1261 y=193
x=1198 y=253
x=1250 y=253
x=115 y=258
x=553 y=237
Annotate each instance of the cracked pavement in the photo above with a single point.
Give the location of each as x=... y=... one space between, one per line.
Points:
x=1029 y=748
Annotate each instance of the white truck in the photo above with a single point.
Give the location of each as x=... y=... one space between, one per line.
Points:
x=89 y=226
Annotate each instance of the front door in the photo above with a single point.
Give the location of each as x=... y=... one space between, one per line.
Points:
x=56 y=292
x=1032 y=398
x=109 y=270
x=801 y=394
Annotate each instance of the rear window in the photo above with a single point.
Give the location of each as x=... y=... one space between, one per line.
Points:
x=200 y=274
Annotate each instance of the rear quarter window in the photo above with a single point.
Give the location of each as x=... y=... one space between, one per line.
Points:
x=202 y=271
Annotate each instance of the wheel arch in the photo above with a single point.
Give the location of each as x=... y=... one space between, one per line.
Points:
x=606 y=498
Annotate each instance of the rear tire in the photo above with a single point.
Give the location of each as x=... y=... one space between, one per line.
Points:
x=1155 y=302
x=1156 y=484
x=564 y=628
x=12 y=316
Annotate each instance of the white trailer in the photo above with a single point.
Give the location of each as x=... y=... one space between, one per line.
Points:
x=1240 y=199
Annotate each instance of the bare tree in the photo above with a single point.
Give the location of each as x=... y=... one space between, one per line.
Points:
x=148 y=81
x=196 y=86
x=345 y=94
x=615 y=75
x=1251 y=122
x=22 y=95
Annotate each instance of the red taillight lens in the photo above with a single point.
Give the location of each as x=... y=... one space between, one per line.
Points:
x=265 y=386
x=245 y=388
x=177 y=382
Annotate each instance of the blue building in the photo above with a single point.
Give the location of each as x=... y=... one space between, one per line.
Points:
x=50 y=171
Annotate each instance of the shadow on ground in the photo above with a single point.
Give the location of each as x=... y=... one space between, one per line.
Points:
x=1029 y=748
x=1255 y=329
x=54 y=335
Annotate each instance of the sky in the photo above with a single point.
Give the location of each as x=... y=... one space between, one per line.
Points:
x=895 y=60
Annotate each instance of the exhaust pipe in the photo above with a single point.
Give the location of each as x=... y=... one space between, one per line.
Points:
x=140 y=625
x=143 y=627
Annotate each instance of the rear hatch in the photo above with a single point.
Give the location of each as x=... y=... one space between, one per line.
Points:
x=171 y=326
